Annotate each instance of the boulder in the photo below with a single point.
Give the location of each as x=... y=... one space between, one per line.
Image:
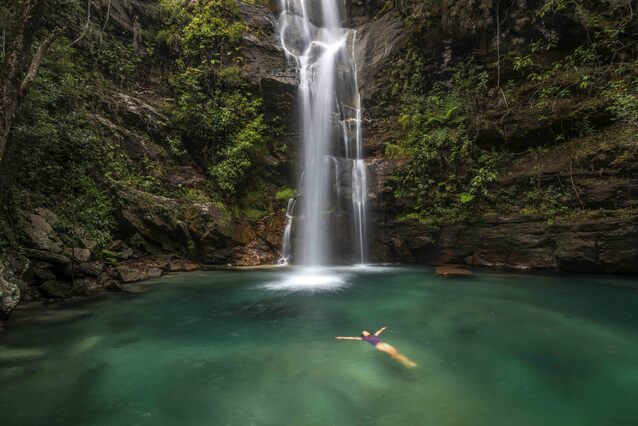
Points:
x=109 y=281
x=183 y=266
x=89 y=269
x=9 y=292
x=9 y=297
x=86 y=286
x=89 y=244
x=40 y=232
x=117 y=245
x=154 y=273
x=131 y=273
x=138 y=113
x=78 y=254
x=56 y=289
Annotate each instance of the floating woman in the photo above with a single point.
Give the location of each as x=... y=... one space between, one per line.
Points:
x=374 y=340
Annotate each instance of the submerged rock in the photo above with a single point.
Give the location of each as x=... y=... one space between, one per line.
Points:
x=448 y=271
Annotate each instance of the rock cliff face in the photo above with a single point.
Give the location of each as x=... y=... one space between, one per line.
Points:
x=599 y=177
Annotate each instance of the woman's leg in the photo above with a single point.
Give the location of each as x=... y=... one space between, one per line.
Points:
x=391 y=350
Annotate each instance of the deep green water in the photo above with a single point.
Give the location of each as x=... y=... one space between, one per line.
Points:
x=225 y=348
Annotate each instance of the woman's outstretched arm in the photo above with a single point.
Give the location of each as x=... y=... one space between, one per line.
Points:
x=379 y=331
x=347 y=338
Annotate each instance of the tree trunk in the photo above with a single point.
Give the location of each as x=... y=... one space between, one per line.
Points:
x=18 y=70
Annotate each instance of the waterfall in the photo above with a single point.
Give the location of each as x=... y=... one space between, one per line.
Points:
x=329 y=104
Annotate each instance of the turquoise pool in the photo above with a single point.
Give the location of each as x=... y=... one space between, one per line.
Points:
x=258 y=348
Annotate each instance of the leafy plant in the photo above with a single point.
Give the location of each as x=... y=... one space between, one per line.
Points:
x=443 y=174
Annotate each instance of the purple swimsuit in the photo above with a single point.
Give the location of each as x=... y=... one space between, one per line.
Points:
x=372 y=339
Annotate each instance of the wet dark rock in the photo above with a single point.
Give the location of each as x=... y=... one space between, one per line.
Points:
x=378 y=41
x=264 y=63
x=41 y=271
x=56 y=289
x=112 y=285
x=86 y=286
x=200 y=231
x=604 y=244
x=47 y=256
x=88 y=269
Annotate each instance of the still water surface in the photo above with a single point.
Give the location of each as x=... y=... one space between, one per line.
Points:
x=258 y=348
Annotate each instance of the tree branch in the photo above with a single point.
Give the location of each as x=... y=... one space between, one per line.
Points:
x=86 y=26
x=36 y=62
x=108 y=15
x=24 y=17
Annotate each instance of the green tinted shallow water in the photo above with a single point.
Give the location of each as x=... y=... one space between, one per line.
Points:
x=248 y=348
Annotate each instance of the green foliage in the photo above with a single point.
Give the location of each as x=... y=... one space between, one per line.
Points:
x=285 y=194
x=544 y=202
x=231 y=172
x=217 y=119
x=443 y=174
x=109 y=256
x=553 y=6
x=117 y=60
x=61 y=157
x=622 y=98
x=193 y=194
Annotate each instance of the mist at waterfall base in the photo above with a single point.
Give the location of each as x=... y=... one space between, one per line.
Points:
x=330 y=206
x=241 y=348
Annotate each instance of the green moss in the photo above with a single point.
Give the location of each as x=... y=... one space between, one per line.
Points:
x=285 y=194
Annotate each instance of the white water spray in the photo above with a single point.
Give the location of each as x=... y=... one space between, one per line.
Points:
x=330 y=114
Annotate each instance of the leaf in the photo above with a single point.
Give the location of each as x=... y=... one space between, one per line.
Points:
x=465 y=198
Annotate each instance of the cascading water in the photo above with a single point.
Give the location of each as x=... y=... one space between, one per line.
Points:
x=333 y=166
